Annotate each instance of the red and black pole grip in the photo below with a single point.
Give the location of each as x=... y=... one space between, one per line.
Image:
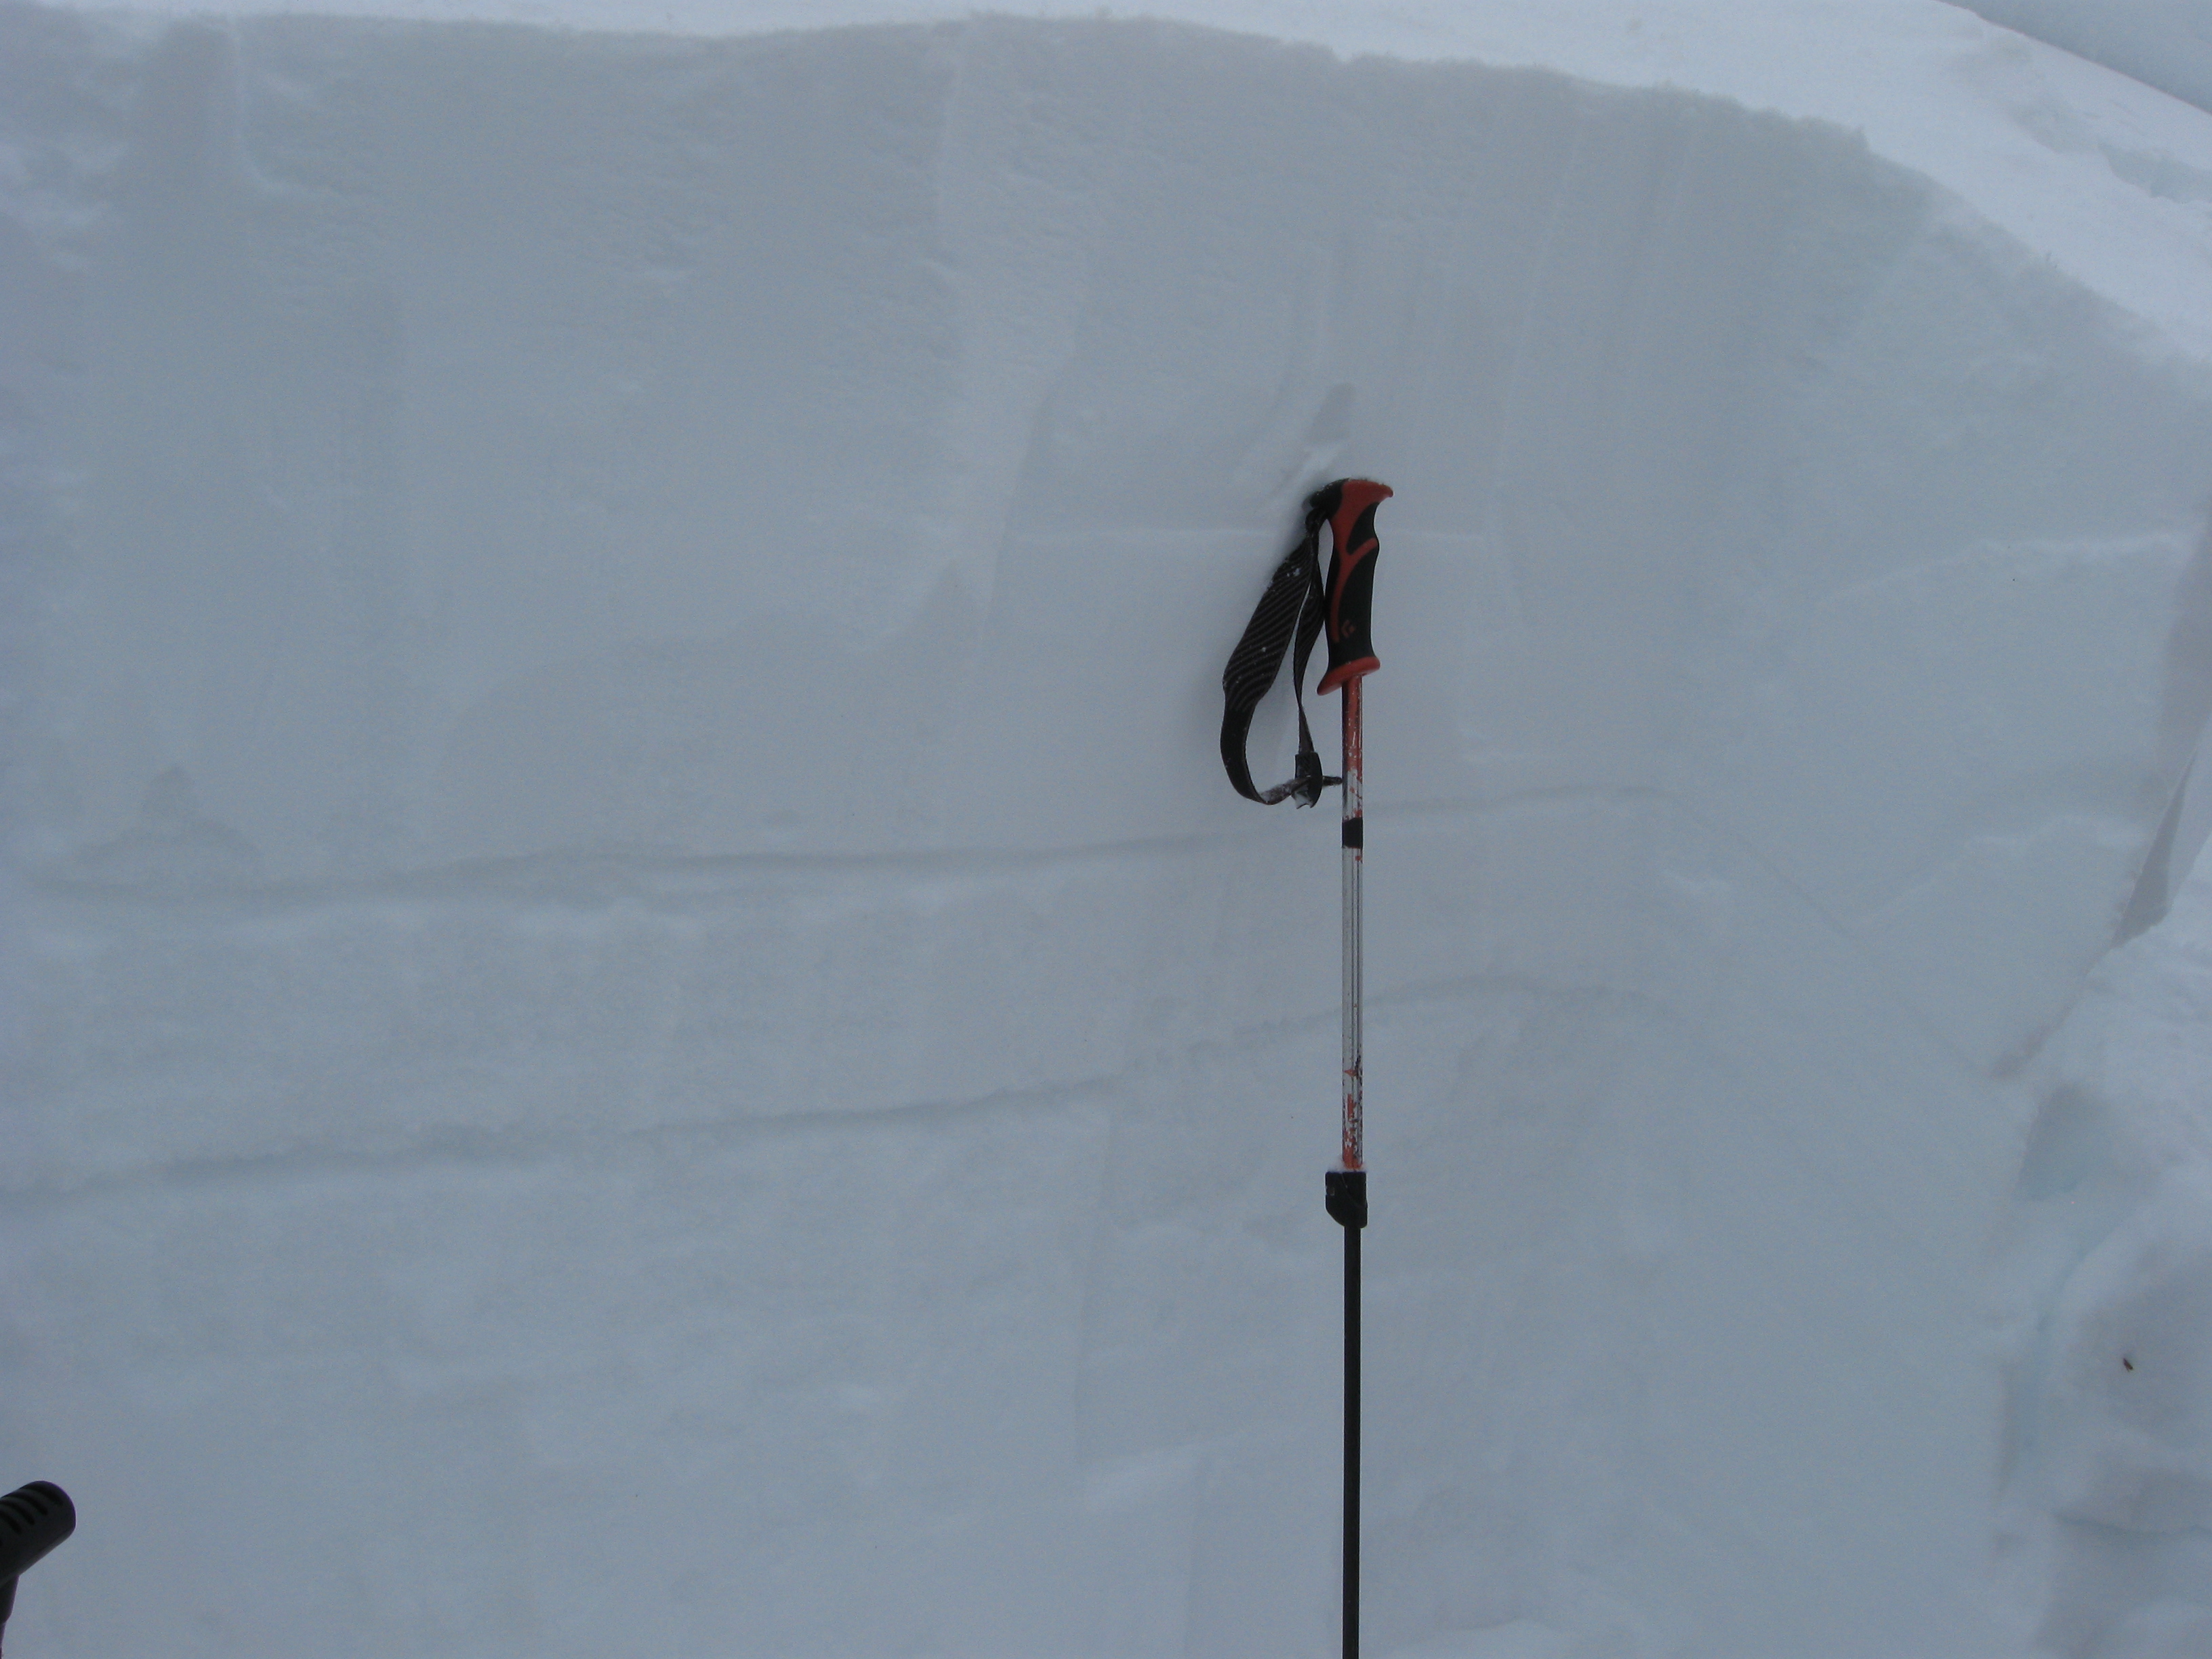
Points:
x=1349 y=599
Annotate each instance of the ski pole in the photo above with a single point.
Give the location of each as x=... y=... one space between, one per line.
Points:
x=1297 y=607
x=1347 y=605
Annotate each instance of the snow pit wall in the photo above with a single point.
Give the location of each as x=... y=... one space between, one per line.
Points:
x=637 y=1016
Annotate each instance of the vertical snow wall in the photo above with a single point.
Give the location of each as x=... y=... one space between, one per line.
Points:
x=637 y=1018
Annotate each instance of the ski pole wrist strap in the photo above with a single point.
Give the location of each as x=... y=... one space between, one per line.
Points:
x=1294 y=609
x=1291 y=606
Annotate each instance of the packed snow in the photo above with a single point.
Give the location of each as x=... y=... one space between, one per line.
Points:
x=2106 y=1274
x=636 y=1018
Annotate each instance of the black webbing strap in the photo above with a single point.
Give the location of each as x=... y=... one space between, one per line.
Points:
x=1291 y=605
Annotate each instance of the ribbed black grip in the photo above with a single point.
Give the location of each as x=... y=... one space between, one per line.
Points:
x=33 y=1520
x=1349 y=602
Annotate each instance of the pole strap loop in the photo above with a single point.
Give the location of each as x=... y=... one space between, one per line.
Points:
x=1292 y=607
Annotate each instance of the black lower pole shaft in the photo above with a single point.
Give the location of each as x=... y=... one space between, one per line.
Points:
x=1348 y=1205
x=1352 y=1442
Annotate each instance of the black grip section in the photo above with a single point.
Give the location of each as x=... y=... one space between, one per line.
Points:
x=33 y=1520
x=1349 y=602
x=1352 y=602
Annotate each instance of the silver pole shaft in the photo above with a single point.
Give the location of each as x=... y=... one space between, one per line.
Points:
x=1355 y=837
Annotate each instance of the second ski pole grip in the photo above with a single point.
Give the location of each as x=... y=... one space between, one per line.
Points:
x=1349 y=507
x=33 y=1520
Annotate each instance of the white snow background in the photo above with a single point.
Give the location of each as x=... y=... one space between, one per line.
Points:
x=636 y=1019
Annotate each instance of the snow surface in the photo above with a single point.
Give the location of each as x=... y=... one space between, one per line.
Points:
x=637 y=1018
x=2166 y=44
